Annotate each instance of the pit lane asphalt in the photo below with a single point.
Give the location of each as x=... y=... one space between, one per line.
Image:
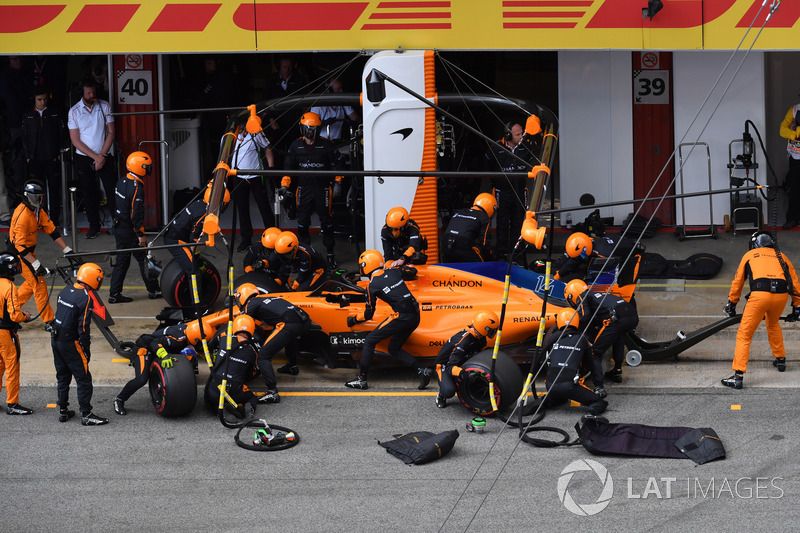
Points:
x=145 y=471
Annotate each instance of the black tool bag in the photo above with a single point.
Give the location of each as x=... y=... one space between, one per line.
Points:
x=421 y=447
x=602 y=438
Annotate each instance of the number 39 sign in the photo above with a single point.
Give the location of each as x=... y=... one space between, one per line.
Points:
x=651 y=87
x=134 y=87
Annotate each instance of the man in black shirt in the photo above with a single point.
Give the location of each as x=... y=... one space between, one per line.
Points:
x=287 y=321
x=44 y=133
x=569 y=350
x=459 y=348
x=466 y=238
x=129 y=227
x=388 y=285
x=314 y=193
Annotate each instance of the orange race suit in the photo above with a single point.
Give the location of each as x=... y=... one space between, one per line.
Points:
x=9 y=341
x=25 y=226
x=769 y=292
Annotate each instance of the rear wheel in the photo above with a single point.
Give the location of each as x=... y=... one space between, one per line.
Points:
x=176 y=285
x=173 y=390
x=473 y=383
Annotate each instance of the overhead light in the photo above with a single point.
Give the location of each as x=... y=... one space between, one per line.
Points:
x=653 y=7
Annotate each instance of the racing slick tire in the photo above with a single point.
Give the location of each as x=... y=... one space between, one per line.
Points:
x=173 y=390
x=473 y=382
x=177 y=286
x=263 y=281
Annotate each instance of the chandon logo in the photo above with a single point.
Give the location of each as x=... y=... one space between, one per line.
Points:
x=405 y=132
x=585 y=509
x=457 y=283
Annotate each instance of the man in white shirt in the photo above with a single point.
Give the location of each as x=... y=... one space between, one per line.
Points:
x=246 y=155
x=91 y=130
x=333 y=117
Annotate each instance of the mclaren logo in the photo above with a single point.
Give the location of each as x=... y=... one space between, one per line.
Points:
x=405 y=132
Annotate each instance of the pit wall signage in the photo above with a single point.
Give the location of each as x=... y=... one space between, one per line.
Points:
x=151 y=26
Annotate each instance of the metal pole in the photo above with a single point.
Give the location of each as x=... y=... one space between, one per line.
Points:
x=137 y=249
x=165 y=176
x=64 y=152
x=164 y=155
x=73 y=221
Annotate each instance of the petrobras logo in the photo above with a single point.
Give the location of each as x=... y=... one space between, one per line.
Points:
x=605 y=489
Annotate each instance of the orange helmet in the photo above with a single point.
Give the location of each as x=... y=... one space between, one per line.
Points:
x=207 y=195
x=309 y=125
x=91 y=275
x=139 y=163
x=396 y=219
x=369 y=261
x=578 y=243
x=286 y=244
x=269 y=237
x=567 y=317
x=573 y=291
x=485 y=323
x=193 y=332
x=244 y=293
x=487 y=203
x=244 y=324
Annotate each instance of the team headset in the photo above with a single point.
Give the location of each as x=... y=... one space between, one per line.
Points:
x=507 y=136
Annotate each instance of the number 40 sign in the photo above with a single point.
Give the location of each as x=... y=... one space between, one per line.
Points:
x=651 y=87
x=134 y=87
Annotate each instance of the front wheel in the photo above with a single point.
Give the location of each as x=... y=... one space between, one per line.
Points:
x=173 y=390
x=473 y=382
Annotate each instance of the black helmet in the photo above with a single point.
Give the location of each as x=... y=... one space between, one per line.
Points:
x=9 y=265
x=761 y=239
x=34 y=193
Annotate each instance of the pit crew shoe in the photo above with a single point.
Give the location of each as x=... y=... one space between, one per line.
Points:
x=614 y=375
x=119 y=298
x=358 y=383
x=119 y=407
x=600 y=391
x=735 y=381
x=91 y=419
x=780 y=364
x=441 y=401
x=271 y=396
x=424 y=377
x=155 y=295
x=290 y=369
x=17 y=409
x=65 y=414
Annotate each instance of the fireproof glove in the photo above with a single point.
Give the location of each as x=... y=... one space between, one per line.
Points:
x=337 y=189
x=351 y=321
x=286 y=181
x=729 y=309
x=795 y=314
x=167 y=363
x=161 y=353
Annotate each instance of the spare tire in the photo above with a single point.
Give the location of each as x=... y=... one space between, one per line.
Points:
x=176 y=285
x=263 y=281
x=473 y=382
x=173 y=390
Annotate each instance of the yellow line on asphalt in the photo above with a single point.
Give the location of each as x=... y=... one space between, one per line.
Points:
x=52 y=405
x=319 y=393
x=120 y=360
x=735 y=407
